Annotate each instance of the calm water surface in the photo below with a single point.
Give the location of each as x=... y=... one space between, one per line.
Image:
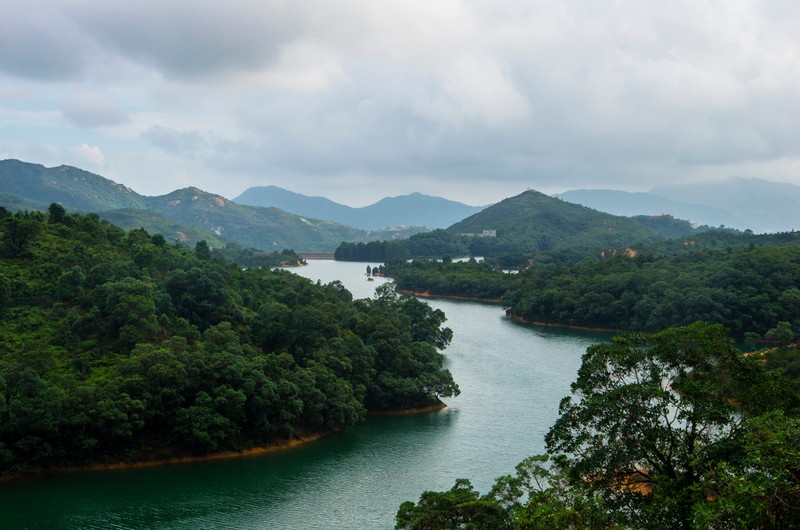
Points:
x=511 y=377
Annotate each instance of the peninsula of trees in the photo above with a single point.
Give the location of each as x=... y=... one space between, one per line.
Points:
x=117 y=346
x=748 y=283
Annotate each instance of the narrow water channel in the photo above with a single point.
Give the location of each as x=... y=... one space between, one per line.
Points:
x=512 y=378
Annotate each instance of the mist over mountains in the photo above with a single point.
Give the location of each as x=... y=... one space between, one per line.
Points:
x=755 y=204
x=414 y=209
x=273 y=218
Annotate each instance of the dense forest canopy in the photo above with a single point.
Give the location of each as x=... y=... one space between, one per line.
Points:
x=120 y=346
x=749 y=283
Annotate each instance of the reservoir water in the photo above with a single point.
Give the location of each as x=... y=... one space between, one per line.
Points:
x=512 y=378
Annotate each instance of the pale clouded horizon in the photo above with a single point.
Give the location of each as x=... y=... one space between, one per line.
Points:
x=356 y=100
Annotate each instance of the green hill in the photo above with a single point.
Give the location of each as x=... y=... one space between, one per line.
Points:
x=189 y=214
x=265 y=228
x=73 y=188
x=535 y=221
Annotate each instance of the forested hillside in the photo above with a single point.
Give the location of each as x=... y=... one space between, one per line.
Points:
x=749 y=283
x=121 y=347
x=188 y=214
x=514 y=229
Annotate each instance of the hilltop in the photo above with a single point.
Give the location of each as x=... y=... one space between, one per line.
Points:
x=536 y=221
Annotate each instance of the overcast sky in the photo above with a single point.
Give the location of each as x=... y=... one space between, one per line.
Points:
x=360 y=99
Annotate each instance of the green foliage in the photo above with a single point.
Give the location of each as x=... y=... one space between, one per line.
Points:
x=120 y=347
x=746 y=289
x=672 y=430
x=528 y=224
x=537 y=497
x=648 y=414
x=251 y=257
x=460 y=507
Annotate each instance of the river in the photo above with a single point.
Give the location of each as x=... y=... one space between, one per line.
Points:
x=512 y=378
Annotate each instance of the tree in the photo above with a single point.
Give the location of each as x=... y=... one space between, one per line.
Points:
x=761 y=487
x=202 y=251
x=781 y=333
x=5 y=295
x=537 y=497
x=56 y=213
x=648 y=415
x=18 y=232
x=460 y=507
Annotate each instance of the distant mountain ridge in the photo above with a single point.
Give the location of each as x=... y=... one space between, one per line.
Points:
x=415 y=209
x=736 y=202
x=184 y=214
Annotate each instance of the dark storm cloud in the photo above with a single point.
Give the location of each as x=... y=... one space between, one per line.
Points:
x=46 y=48
x=187 y=38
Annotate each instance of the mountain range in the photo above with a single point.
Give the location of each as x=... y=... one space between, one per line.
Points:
x=414 y=209
x=191 y=214
x=741 y=203
x=188 y=214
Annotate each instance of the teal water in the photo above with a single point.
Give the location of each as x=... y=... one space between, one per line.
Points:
x=511 y=377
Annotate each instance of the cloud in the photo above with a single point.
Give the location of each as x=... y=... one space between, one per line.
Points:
x=187 y=39
x=90 y=109
x=177 y=142
x=467 y=96
x=91 y=154
x=46 y=48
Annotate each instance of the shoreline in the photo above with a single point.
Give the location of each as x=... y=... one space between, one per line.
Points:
x=283 y=445
x=427 y=294
x=509 y=314
x=521 y=320
x=409 y=412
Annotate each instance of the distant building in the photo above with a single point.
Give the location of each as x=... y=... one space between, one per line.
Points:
x=485 y=233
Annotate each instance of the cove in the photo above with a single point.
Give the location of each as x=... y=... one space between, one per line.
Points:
x=512 y=378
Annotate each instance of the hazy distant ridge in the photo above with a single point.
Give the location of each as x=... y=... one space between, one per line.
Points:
x=415 y=209
x=759 y=205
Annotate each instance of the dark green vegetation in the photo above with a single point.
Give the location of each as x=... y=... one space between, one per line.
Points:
x=524 y=225
x=152 y=222
x=188 y=215
x=535 y=221
x=749 y=283
x=672 y=430
x=251 y=257
x=414 y=209
x=120 y=347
